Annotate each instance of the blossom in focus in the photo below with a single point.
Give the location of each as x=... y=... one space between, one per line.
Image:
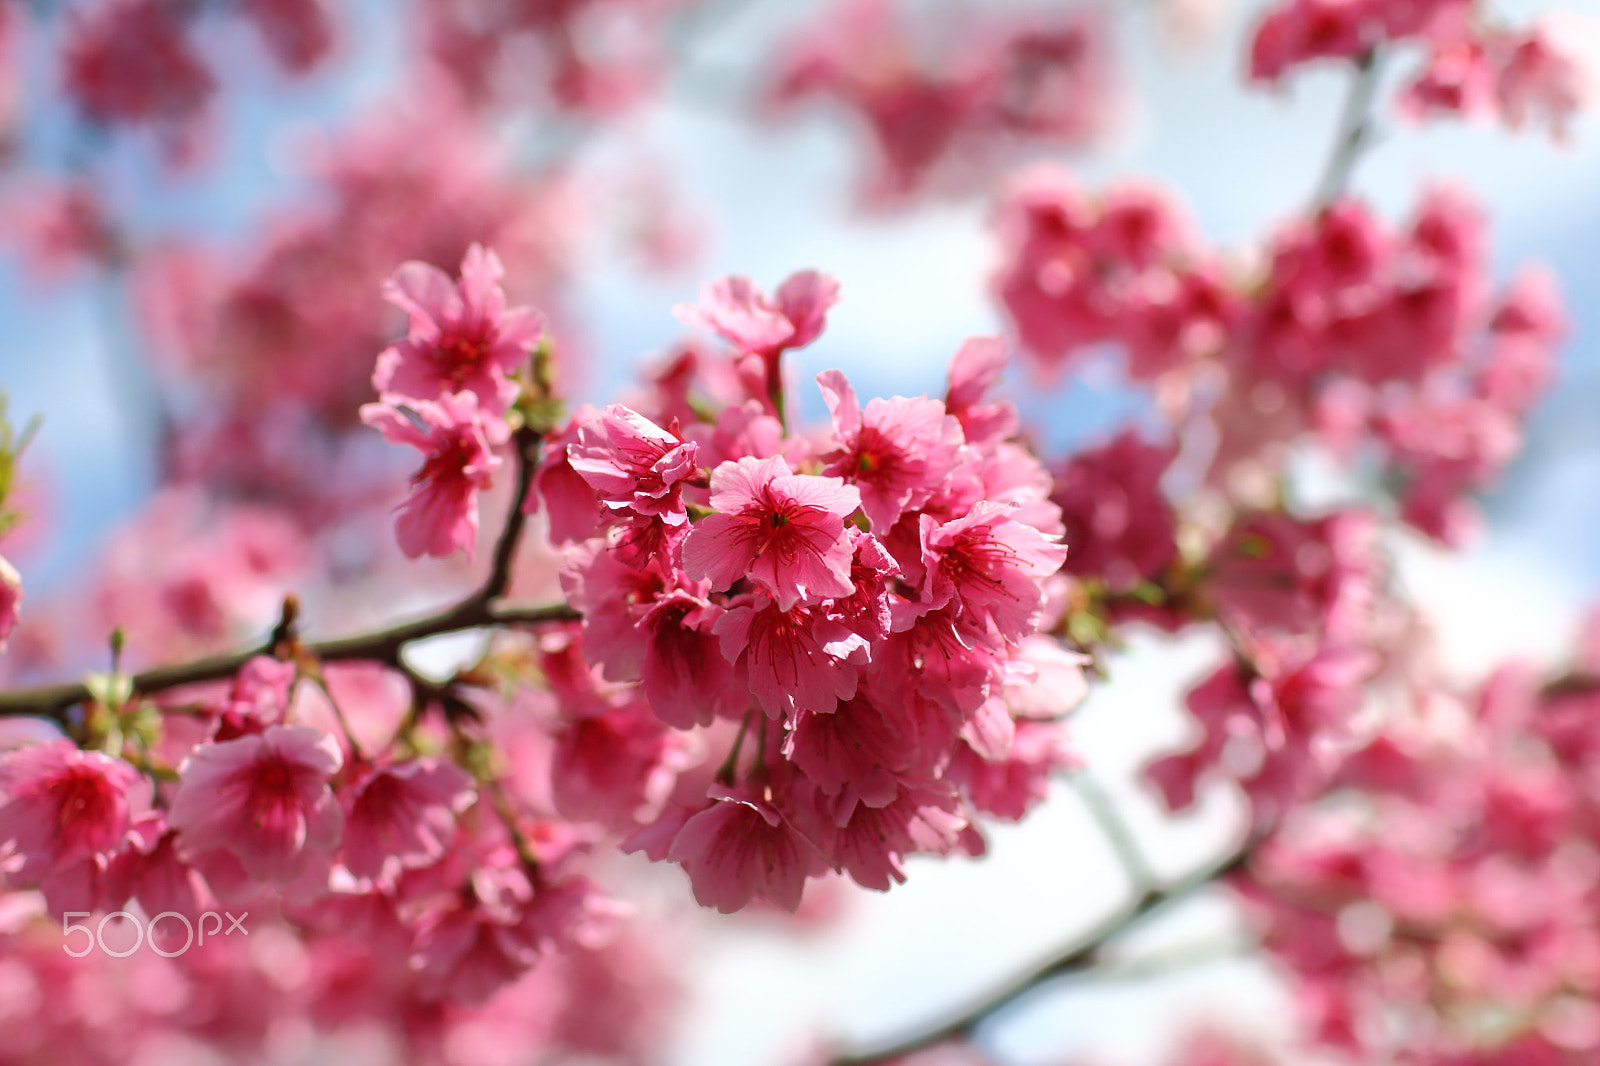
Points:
x=462 y=337
x=986 y=565
x=897 y=453
x=440 y=517
x=632 y=463
x=740 y=848
x=782 y=530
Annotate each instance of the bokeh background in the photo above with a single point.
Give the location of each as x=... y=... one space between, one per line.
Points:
x=771 y=197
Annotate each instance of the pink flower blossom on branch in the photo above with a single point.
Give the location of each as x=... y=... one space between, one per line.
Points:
x=64 y=815
x=782 y=530
x=462 y=337
x=440 y=517
x=263 y=799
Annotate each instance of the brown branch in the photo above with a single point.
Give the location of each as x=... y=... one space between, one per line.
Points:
x=1083 y=954
x=482 y=608
x=526 y=443
x=383 y=646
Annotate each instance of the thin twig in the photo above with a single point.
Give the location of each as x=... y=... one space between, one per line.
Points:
x=481 y=608
x=1084 y=953
x=1115 y=829
x=526 y=444
x=52 y=701
x=1355 y=129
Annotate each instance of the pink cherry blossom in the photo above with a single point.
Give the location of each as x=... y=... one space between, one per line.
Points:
x=1011 y=786
x=401 y=816
x=572 y=512
x=896 y=453
x=741 y=847
x=974 y=370
x=1120 y=526
x=1298 y=31
x=1540 y=82
x=949 y=660
x=263 y=799
x=989 y=566
x=872 y=841
x=440 y=517
x=65 y=813
x=470 y=954
x=684 y=675
x=633 y=464
x=782 y=530
x=1459 y=79
x=462 y=336
x=617 y=767
x=859 y=750
x=739 y=312
x=942 y=110
x=132 y=61
x=151 y=871
x=867 y=610
x=795 y=660
x=257 y=698
x=1272 y=572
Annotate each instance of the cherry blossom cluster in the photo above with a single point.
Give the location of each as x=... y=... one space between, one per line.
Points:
x=1439 y=905
x=776 y=655
x=1303 y=604
x=846 y=618
x=307 y=993
x=136 y=63
x=587 y=56
x=283 y=340
x=1384 y=346
x=446 y=389
x=944 y=109
x=1472 y=67
x=1384 y=343
x=271 y=807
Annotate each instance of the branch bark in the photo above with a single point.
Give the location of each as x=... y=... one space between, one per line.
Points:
x=1083 y=954
x=482 y=608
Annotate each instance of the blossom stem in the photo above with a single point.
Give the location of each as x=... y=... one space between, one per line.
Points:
x=730 y=765
x=526 y=443
x=338 y=714
x=1355 y=130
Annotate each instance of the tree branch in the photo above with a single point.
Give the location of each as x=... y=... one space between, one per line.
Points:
x=1084 y=953
x=383 y=645
x=1355 y=130
x=526 y=443
x=481 y=608
x=1116 y=830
